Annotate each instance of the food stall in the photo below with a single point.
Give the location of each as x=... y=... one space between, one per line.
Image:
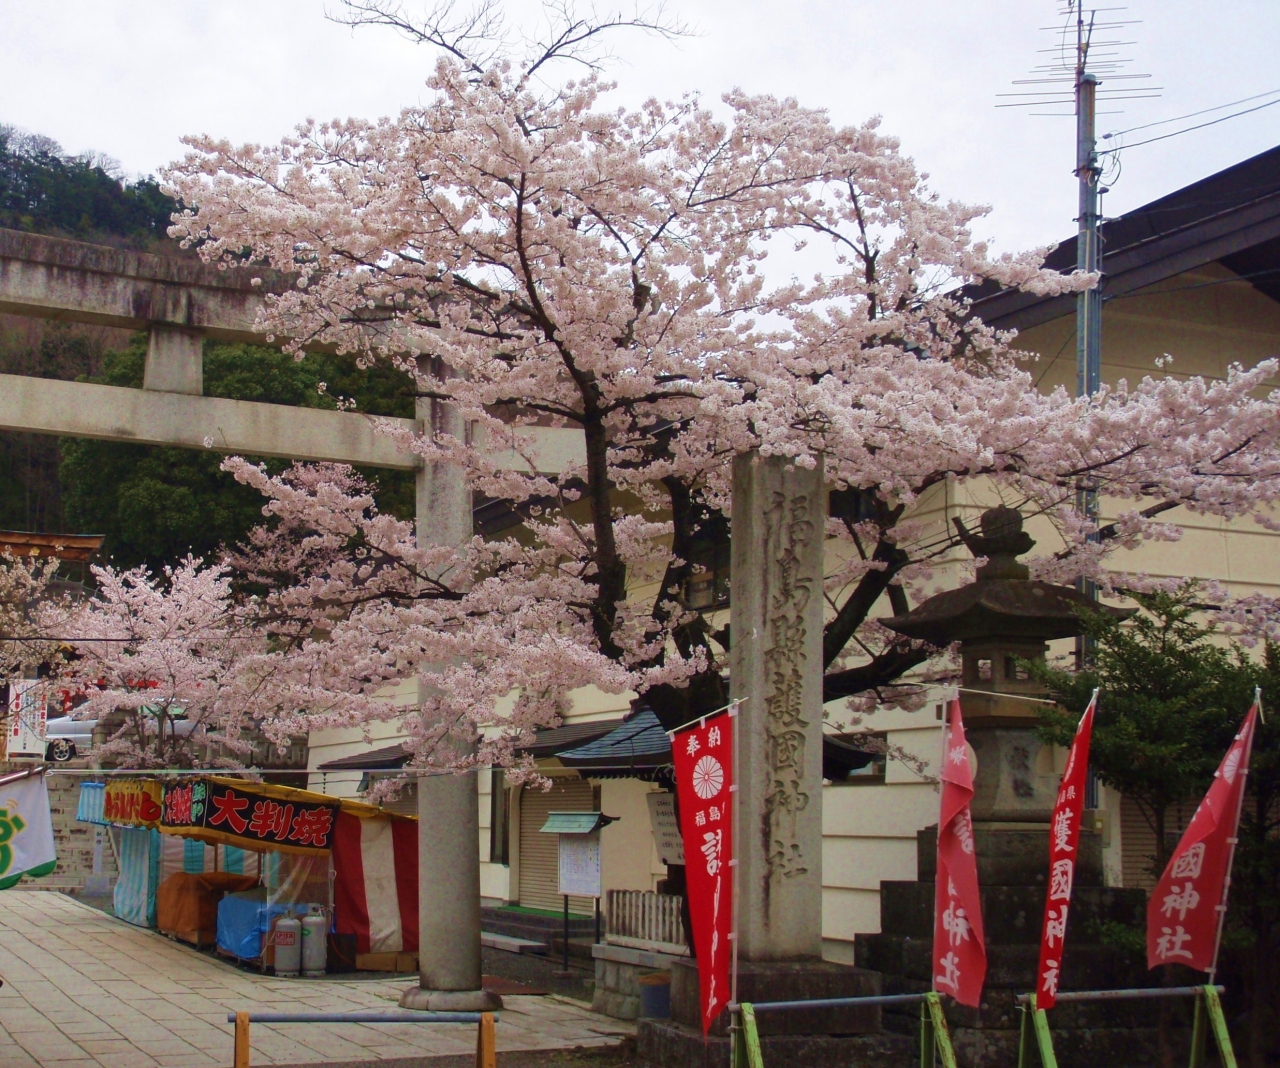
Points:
x=213 y=859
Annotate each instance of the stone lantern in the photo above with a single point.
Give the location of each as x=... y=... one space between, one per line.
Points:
x=1003 y=620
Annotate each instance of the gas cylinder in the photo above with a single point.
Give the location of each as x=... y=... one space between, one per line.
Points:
x=315 y=928
x=288 y=940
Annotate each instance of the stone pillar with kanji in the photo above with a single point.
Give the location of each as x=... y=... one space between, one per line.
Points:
x=776 y=619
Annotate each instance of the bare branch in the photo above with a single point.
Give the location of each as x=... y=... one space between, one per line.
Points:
x=476 y=36
x=572 y=35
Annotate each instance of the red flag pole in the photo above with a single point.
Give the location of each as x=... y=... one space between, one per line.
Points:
x=733 y=862
x=1235 y=837
x=942 y=765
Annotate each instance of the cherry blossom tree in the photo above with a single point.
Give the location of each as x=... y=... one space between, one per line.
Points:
x=680 y=284
x=164 y=663
x=26 y=592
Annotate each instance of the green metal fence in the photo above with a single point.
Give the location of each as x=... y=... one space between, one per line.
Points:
x=1035 y=1037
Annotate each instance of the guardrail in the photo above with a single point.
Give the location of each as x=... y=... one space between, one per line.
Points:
x=486 y=1036
x=935 y=1039
x=1035 y=1036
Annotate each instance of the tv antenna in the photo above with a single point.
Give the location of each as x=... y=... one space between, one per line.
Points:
x=1075 y=67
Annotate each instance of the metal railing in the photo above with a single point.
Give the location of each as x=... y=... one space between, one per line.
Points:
x=642 y=919
x=935 y=1038
x=1035 y=1036
x=486 y=1035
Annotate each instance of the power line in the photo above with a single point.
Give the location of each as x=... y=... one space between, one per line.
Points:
x=1190 y=115
x=1198 y=126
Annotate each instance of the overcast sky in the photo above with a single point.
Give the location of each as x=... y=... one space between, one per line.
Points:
x=130 y=77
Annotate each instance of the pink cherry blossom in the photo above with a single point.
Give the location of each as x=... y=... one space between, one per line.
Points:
x=609 y=270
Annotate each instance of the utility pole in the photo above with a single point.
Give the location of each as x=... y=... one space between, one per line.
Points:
x=1088 y=258
x=1071 y=76
x=1088 y=254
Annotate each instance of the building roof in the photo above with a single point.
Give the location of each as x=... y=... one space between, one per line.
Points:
x=77 y=547
x=546 y=743
x=640 y=748
x=1232 y=218
x=638 y=745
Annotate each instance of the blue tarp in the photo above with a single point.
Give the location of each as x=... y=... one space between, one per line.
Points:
x=135 y=895
x=244 y=920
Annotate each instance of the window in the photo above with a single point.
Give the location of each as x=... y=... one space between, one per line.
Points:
x=851 y=505
x=499 y=828
x=1016 y=669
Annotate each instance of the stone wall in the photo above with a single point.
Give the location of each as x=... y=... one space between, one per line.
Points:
x=74 y=840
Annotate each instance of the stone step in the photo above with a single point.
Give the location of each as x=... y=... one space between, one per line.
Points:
x=667 y=1044
x=905 y=966
x=1013 y=914
x=535 y=925
x=511 y=944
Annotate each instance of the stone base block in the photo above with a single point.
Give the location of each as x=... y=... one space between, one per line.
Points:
x=667 y=1044
x=1013 y=913
x=906 y=965
x=618 y=973
x=450 y=1000
x=785 y=980
x=1014 y=854
x=1103 y=1047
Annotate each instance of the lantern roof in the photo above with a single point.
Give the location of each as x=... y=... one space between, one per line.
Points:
x=1003 y=602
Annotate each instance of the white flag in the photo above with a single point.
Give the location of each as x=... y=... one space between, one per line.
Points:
x=26 y=830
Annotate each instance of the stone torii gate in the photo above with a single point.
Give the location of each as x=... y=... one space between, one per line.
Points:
x=181 y=303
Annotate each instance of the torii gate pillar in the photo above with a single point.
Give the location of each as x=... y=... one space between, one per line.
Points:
x=448 y=806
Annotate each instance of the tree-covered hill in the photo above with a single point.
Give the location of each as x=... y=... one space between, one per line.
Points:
x=45 y=190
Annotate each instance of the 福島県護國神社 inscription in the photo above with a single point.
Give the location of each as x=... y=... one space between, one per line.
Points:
x=789 y=529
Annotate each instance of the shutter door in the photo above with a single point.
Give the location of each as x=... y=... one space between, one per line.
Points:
x=405 y=802
x=1137 y=846
x=1138 y=840
x=540 y=853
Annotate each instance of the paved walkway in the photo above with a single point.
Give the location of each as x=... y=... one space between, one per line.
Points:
x=84 y=990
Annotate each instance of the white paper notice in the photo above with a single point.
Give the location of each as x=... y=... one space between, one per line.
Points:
x=27 y=714
x=580 y=864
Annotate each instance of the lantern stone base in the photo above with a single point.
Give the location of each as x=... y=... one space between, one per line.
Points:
x=1012 y=862
x=814 y=1038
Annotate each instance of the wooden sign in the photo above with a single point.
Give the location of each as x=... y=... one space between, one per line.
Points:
x=666 y=828
x=214 y=812
x=27 y=715
x=132 y=802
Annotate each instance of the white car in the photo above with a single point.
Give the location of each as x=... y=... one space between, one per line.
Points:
x=66 y=736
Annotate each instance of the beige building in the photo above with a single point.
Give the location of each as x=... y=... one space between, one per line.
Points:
x=1195 y=276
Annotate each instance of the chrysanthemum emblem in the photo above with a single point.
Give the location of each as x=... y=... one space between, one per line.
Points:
x=708 y=777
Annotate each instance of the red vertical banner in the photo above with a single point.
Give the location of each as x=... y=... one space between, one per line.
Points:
x=1064 y=844
x=959 y=946
x=703 y=756
x=1184 y=914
